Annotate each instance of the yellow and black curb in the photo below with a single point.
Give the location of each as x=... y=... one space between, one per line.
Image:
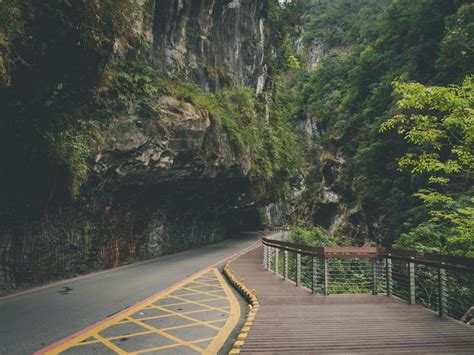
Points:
x=249 y=295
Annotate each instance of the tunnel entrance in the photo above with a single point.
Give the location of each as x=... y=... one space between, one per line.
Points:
x=242 y=220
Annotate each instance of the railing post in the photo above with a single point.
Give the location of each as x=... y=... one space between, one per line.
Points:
x=374 y=277
x=285 y=273
x=265 y=257
x=411 y=273
x=298 y=269
x=442 y=292
x=269 y=258
x=314 y=276
x=277 y=251
x=388 y=276
x=326 y=277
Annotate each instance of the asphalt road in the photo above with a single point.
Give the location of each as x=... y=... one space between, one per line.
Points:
x=32 y=321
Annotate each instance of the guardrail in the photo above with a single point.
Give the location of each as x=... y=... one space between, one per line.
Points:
x=442 y=283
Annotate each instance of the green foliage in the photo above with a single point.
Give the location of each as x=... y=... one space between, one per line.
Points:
x=241 y=115
x=284 y=22
x=60 y=60
x=341 y=22
x=457 y=47
x=11 y=25
x=350 y=94
x=315 y=236
x=72 y=148
x=127 y=88
x=439 y=123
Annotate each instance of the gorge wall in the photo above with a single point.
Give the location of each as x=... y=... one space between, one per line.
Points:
x=214 y=43
x=158 y=184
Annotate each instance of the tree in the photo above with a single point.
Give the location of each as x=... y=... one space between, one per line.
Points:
x=438 y=123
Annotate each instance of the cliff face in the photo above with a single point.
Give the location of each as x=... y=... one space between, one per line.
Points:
x=158 y=184
x=215 y=43
x=328 y=202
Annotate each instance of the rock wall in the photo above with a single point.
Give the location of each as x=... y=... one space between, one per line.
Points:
x=216 y=43
x=72 y=242
x=161 y=184
x=327 y=203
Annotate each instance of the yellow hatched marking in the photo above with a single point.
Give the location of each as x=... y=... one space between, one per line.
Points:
x=211 y=275
x=169 y=346
x=203 y=286
x=196 y=321
x=196 y=303
x=214 y=283
x=232 y=321
x=166 y=335
x=110 y=345
x=186 y=301
x=153 y=331
x=209 y=293
x=172 y=315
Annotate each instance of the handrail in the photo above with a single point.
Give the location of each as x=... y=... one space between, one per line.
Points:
x=436 y=281
x=456 y=263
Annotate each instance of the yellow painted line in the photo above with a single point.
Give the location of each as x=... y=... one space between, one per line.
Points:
x=232 y=321
x=232 y=312
x=166 y=335
x=154 y=331
x=186 y=301
x=209 y=293
x=205 y=305
x=109 y=344
x=196 y=321
x=203 y=286
x=169 y=315
x=169 y=346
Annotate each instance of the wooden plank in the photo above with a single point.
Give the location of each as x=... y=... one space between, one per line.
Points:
x=292 y=320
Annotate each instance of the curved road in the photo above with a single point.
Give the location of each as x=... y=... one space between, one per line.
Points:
x=34 y=320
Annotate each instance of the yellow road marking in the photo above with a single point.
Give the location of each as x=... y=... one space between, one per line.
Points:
x=166 y=335
x=232 y=321
x=185 y=301
x=195 y=320
x=168 y=315
x=204 y=305
x=210 y=293
x=109 y=344
x=232 y=313
x=170 y=346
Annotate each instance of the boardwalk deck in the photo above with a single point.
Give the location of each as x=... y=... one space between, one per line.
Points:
x=292 y=320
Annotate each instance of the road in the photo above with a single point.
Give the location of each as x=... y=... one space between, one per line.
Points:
x=34 y=320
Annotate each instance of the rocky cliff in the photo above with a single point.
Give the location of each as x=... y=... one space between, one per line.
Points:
x=327 y=201
x=159 y=183
x=216 y=43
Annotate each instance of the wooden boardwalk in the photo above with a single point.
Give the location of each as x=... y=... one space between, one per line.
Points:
x=292 y=320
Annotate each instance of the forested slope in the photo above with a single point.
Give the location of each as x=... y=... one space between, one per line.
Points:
x=131 y=129
x=408 y=181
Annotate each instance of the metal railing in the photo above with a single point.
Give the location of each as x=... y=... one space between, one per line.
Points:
x=442 y=283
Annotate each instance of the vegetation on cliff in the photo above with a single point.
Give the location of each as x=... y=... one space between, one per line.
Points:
x=390 y=96
x=369 y=46
x=60 y=89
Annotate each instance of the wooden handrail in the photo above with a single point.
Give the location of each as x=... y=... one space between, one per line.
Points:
x=456 y=263
x=402 y=275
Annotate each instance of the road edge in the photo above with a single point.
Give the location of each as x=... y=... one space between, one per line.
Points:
x=44 y=350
